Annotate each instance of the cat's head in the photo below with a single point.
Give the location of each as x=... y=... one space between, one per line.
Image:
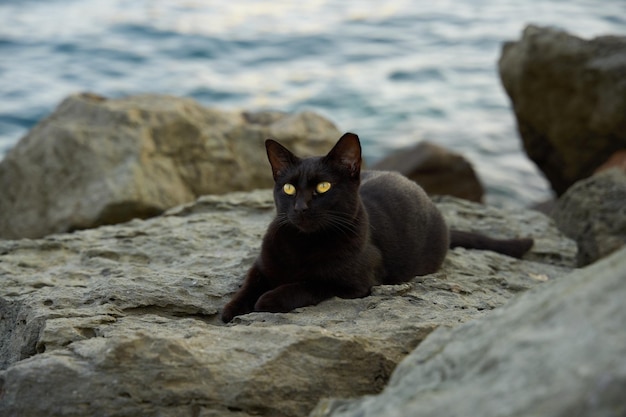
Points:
x=319 y=193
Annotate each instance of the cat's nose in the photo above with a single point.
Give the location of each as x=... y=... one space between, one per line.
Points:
x=301 y=206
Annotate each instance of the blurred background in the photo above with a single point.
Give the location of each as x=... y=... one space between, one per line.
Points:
x=394 y=71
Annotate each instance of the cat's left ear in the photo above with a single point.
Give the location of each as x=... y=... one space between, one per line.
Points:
x=347 y=153
x=281 y=158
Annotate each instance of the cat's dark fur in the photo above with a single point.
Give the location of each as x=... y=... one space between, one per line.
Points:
x=369 y=228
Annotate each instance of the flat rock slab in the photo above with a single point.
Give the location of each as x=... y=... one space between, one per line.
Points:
x=123 y=320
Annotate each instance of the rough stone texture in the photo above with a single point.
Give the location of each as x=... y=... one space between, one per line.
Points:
x=569 y=97
x=593 y=213
x=557 y=351
x=437 y=170
x=97 y=161
x=122 y=320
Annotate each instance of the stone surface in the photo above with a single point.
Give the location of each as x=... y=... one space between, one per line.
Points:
x=593 y=213
x=465 y=215
x=436 y=169
x=123 y=320
x=556 y=351
x=569 y=98
x=101 y=161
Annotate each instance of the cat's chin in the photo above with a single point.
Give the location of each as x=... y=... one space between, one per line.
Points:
x=305 y=224
x=306 y=228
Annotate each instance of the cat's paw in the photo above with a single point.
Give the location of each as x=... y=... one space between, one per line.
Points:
x=227 y=315
x=231 y=310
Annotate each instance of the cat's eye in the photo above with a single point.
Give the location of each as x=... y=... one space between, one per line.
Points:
x=322 y=187
x=289 y=189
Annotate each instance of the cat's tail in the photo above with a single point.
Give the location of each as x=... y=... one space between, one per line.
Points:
x=511 y=247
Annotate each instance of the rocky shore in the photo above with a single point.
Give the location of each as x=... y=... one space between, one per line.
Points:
x=122 y=319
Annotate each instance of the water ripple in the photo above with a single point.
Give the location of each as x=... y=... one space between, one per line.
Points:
x=395 y=72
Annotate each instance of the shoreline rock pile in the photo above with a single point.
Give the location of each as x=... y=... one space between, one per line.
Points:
x=124 y=319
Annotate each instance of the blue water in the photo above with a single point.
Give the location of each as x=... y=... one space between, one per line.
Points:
x=395 y=72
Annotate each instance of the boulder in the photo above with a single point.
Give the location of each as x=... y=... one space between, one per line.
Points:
x=558 y=350
x=593 y=213
x=123 y=320
x=569 y=98
x=436 y=169
x=101 y=161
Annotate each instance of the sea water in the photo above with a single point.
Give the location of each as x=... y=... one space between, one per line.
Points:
x=395 y=72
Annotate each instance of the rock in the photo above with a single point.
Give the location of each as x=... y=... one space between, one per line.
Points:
x=558 y=350
x=593 y=213
x=569 y=97
x=123 y=320
x=465 y=215
x=436 y=169
x=98 y=161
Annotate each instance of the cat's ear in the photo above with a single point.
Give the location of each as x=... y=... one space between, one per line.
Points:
x=281 y=159
x=347 y=153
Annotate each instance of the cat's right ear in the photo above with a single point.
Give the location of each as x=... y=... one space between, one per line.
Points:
x=281 y=159
x=347 y=153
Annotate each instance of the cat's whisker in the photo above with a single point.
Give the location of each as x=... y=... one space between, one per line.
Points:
x=340 y=222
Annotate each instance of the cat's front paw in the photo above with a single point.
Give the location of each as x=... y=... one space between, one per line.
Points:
x=231 y=310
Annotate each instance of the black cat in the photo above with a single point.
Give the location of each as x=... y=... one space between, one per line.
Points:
x=339 y=231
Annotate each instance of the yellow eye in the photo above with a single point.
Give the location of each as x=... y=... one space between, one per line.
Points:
x=289 y=189
x=322 y=187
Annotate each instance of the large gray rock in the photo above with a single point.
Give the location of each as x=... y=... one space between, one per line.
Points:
x=593 y=213
x=97 y=161
x=123 y=320
x=569 y=97
x=557 y=351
